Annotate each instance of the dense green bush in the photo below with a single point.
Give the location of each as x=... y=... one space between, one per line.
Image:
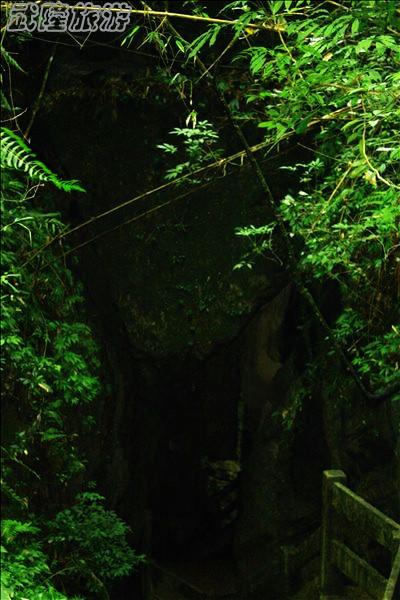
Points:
x=25 y=571
x=323 y=76
x=49 y=366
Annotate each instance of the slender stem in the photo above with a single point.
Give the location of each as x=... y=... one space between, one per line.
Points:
x=41 y=92
x=291 y=258
x=218 y=163
x=376 y=172
x=160 y=14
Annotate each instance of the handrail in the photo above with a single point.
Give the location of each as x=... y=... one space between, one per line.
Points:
x=375 y=523
x=336 y=554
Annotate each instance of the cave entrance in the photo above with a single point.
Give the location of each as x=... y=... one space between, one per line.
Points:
x=194 y=496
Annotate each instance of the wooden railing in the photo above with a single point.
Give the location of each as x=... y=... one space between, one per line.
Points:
x=337 y=556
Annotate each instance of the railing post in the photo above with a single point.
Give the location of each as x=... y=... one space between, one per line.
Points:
x=327 y=576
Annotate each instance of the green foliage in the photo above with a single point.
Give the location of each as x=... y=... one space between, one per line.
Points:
x=379 y=358
x=197 y=148
x=9 y=59
x=49 y=360
x=83 y=546
x=49 y=366
x=25 y=572
x=92 y=540
x=209 y=37
x=16 y=154
x=261 y=244
x=335 y=73
x=328 y=79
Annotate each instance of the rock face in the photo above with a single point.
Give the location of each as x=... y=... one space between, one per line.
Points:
x=201 y=360
x=166 y=278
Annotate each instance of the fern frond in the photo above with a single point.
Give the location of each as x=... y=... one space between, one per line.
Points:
x=16 y=154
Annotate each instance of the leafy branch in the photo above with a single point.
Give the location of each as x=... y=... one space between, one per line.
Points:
x=16 y=154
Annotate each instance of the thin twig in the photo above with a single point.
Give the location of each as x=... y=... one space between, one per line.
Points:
x=140 y=216
x=41 y=92
x=218 y=163
x=341 y=180
x=160 y=14
x=132 y=220
x=20 y=462
x=375 y=171
x=228 y=47
x=292 y=264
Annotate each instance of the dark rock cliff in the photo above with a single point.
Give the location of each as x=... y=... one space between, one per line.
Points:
x=202 y=361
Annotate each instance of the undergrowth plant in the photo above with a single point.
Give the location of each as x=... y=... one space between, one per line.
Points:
x=196 y=149
x=326 y=77
x=335 y=73
x=52 y=544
